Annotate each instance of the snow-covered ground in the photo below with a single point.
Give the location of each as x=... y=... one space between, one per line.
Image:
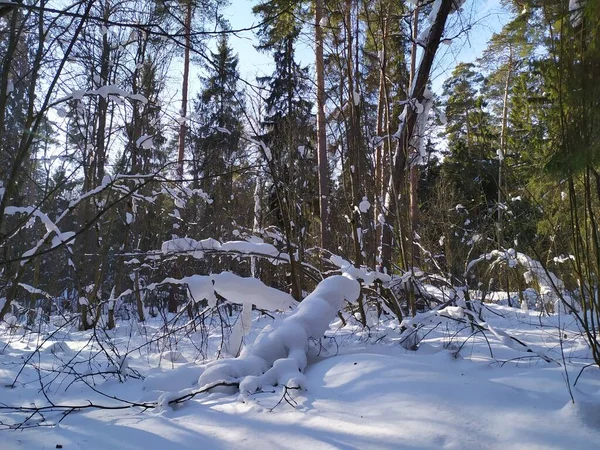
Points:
x=460 y=390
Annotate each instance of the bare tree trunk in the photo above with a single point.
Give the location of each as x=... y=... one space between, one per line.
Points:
x=468 y=126
x=354 y=148
x=382 y=128
x=172 y=301
x=353 y=134
x=501 y=155
x=138 y=298
x=184 y=88
x=414 y=168
x=321 y=130
x=407 y=127
x=100 y=156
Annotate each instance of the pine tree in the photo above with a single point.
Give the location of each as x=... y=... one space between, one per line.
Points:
x=467 y=171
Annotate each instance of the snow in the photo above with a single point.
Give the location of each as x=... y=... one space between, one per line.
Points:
x=576 y=12
x=105 y=92
x=198 y=248
x=358 y=394
x=240 y=290
x=249 y=291
x=59 y=237
x=241 y=328
x=364 y=205
x=34 y=290
x=145 y=141
x=252 y=247
x=562 y=259
x=549 y=285
x=278 y=356
x=423 y=37
x=422 y=110
x=367 y=276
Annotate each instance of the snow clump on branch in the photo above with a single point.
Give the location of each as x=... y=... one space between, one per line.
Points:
x=278 y=356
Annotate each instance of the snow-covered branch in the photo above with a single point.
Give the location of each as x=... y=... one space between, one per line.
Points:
x=278 y=356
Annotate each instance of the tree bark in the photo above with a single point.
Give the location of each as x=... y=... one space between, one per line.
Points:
x=184 y=88
x=407 y=127
x=500 y=231
x=323 y=165
x=100 y=156
x=414 y=168
x=382 y=128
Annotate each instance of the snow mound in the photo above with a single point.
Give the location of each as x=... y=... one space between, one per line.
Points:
x=278 y=356
x=173 y=356
x=57 y=347
x=184 y=377
x=584 y=410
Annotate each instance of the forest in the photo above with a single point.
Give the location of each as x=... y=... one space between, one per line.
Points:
x=351 y=248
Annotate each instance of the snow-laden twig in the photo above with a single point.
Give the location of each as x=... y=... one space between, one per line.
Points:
x=200 y=249
x=449 y=311
x=551 y=288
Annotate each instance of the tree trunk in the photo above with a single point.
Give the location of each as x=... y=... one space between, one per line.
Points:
x=502 y=154
x=184 y=88
x=407 y=127
x=414 y=168
x=321 y=131
x=138 y=298
x=382 y=128
x=100 y=156
x=354 y=150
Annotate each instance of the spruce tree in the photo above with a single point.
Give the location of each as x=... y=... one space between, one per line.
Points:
x=216 y=138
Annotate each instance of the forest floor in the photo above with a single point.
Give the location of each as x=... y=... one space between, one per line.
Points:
x=459 y=390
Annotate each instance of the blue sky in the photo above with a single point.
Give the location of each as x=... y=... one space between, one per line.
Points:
x=483 y=16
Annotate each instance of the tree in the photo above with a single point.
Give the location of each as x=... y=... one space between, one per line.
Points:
x=385 y=79
x=216 y=140
x=408 y=123
x=321 y=128
x=467 y=173
x=287 y=129
x=60 y=39
x=505 y=55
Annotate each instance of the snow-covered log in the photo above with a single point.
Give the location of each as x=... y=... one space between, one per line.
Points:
x=278 y=356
